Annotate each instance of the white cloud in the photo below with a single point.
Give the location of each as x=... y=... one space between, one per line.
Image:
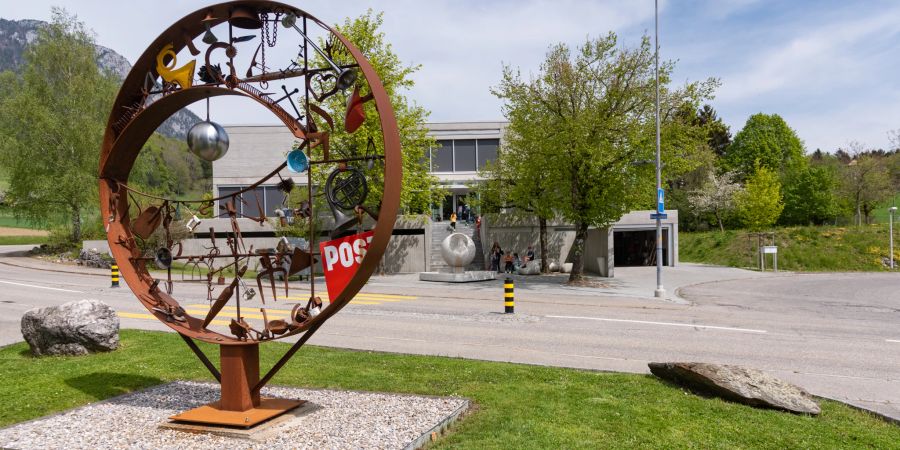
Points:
x=830 y=71
x=819 y=57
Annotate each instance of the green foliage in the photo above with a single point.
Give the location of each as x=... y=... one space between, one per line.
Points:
x=718 y=133
x=767 y=140
x=760 y=203
x=167 y=168
x=805 y=248
x=51 y=124
x=589 y=115
x=515 y=405
x=865 y=184
x=420 y=188
x=810 y=196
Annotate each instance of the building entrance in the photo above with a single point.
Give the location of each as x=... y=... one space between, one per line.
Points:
x=455 y=203
x=638 y=248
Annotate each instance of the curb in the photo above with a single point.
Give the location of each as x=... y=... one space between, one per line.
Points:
x=5 y=261
x=432 y=434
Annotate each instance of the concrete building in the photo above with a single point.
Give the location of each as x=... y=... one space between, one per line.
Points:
x=255 y=150
x=462 y=148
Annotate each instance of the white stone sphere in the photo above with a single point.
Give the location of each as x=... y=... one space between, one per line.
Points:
x=208 y=140
x=554 y=267
x=458 y=250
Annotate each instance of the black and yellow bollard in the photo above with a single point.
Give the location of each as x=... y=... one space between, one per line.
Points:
x=115 y=275
x=508 y=300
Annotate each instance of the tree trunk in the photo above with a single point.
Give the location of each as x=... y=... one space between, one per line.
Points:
x=858 y=215
x=76 y=225
x=719 y=219
x=545 y=266
x=577 y=273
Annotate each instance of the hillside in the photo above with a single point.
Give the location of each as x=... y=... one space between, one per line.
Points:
x=813 y=248
x=15 y=35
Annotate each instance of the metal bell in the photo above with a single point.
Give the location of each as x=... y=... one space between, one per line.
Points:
x=297 y=161
x=208 y=140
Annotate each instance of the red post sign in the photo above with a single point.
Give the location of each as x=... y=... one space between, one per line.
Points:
x=341 y=258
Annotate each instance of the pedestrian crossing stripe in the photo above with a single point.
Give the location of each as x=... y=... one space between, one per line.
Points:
x=379 y=297
x=253 y=312
x=128 y=315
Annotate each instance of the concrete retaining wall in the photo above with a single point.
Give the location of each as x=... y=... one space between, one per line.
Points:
x=406 y=253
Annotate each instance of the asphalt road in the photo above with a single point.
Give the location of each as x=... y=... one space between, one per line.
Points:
x=836 y=335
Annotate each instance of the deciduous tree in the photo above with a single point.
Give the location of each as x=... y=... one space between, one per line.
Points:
x=767 y=140
x=810 y=196
x=52 y=122
x=593 y=110
x=420 y=188
x=865 y=182
x=716 y=196
x=760 y=202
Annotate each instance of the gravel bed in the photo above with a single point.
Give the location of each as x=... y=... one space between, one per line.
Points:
x=343 y=419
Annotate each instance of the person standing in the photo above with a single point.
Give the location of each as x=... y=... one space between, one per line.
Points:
x=453 y=221
x=496 y=254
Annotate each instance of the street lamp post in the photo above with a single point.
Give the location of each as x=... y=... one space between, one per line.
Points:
x=660 y=291
x=891 y=210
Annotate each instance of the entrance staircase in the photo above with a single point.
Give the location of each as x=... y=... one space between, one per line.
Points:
x=439 y=232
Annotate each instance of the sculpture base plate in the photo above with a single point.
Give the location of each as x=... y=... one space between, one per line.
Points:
x=463 y=277
x=210 y=414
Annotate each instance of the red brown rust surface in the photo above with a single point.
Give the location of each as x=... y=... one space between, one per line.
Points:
x=132 y=122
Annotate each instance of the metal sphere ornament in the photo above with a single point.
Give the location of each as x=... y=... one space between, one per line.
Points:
x=458 y=250
x=208 y=140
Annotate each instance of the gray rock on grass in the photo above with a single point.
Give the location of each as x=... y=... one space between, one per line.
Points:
x=73 y=328
x=739 y=384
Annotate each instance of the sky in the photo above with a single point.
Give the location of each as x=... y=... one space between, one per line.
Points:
x=829 y=68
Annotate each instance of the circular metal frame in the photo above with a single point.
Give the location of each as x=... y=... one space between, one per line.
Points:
x=131 y=123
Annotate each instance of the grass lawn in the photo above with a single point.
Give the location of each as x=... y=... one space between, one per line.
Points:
x=812 y=248
x=518 y=406
x=880 y=215
x=7 y=219
x=23 y=240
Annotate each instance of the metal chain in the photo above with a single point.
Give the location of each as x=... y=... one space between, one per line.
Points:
x=274 y=32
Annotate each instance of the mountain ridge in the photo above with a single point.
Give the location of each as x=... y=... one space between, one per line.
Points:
x=16 y=35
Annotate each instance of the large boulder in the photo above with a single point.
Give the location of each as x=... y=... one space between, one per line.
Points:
x=74 y=328
x=739 y=384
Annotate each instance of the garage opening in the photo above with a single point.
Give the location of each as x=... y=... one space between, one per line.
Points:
x=638 y=248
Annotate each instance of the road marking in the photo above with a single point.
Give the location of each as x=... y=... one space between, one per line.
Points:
x=128 y=315
x=41 y=287
x=670 y=324
x=893 y=340
x=379 y=297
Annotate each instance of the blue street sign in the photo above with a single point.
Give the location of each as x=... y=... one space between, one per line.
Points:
x=660 y=216
x=660 y=201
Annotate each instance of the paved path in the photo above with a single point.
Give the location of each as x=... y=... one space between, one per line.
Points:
x=834 y=334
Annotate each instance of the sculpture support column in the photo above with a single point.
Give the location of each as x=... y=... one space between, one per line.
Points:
x=240 y=373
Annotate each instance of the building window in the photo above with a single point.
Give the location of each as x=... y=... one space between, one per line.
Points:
x=442 y=157
x=461 y=155
x=487 y=151
x=464 y=155
x=269 y=199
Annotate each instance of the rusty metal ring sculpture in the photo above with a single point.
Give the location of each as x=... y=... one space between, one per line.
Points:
x=143 y=103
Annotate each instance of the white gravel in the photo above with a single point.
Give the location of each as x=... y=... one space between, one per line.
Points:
x=343 y=420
